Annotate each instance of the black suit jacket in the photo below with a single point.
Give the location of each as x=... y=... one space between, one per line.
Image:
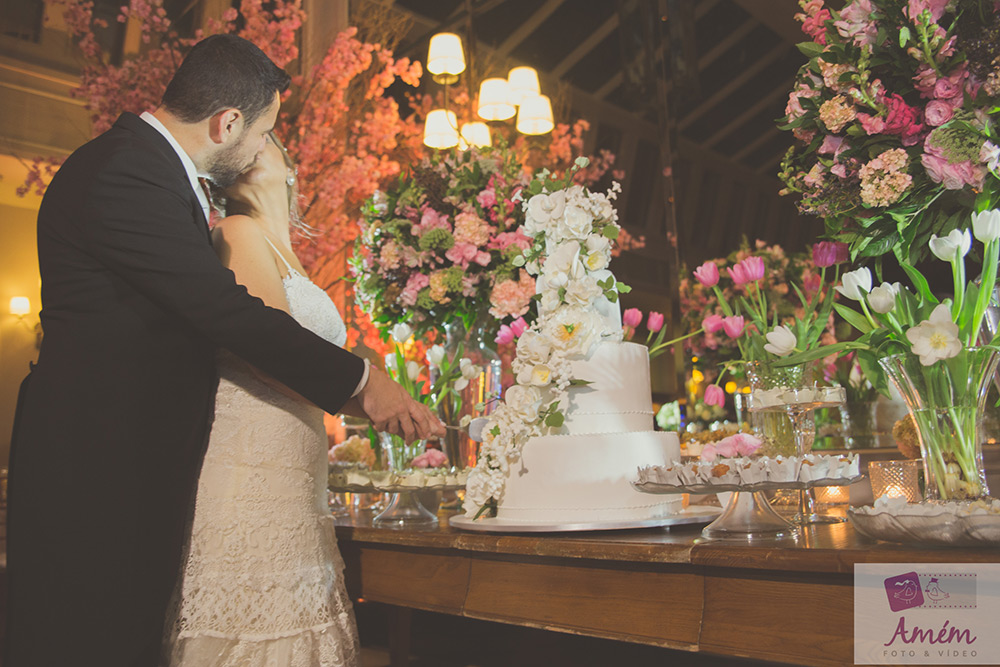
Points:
x=113 y=420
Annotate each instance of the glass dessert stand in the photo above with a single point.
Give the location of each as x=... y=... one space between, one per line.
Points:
x=748 y=516
x=404 y=509
x=799 y=403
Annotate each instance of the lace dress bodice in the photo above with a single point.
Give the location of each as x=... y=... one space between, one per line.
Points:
x=263 y=582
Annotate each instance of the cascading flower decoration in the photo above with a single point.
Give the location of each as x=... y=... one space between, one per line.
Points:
x=894 y=118
x=440 y=245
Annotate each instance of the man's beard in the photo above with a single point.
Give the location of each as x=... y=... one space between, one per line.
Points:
x=227 y=166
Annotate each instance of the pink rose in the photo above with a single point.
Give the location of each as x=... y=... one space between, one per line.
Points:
x=714 y=395
x=948 y=87
x=746 y=444
x=726 y=446
x=712 y=323
x=733 y=326
x=901 y=118
x=708 y=451
x=632 y=318
x=707 y=274
x=655 y=322
x=937 y=112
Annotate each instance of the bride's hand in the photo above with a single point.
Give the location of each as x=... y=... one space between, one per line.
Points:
x=391 y=409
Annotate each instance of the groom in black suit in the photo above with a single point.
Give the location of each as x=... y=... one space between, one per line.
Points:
x=112 y=422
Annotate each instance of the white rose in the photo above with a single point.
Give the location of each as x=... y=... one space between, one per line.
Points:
x=576 y=223
x=538 y=375
x=583 y=292
x=543 y=208
x=533 y=348
x=401 y=332
x=550 y=301
x=598 y=243
x=596 y=261
x=563 y=257
x=524 y=402
x=435 y=355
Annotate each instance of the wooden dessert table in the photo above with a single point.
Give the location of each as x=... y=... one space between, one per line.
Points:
x=786 y=602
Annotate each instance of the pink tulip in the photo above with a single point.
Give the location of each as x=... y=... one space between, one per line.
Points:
x=714 y=395
x=707 y=274
x=518 y=326
x=739 y=274
x=712 y=323
x=708 y=453
x=726 y=446
x=632 y=318
x=655 y=322
x=754 y=267
x=504 y=335
x=733 y=326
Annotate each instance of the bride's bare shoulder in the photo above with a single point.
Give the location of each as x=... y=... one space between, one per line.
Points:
x=237 y=230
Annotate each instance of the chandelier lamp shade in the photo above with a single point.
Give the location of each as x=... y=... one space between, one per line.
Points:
x=445 y=57
x=441 y=129
x=535 y=115
x=495 y=100
x=523 y=82
x=474 y=134
x=499 y=99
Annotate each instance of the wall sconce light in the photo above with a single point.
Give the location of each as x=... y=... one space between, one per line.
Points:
x=20 y=306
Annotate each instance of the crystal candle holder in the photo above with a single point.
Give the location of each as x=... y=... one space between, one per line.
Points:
x=896 y=479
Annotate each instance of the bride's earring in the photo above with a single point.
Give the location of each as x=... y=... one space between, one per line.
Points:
x=290 y=179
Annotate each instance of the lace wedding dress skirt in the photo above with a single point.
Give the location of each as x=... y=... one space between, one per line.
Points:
x=263 y=582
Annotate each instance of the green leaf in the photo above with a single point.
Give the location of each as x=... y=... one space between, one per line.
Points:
x=810 y=49
x=579 y=383
x=611 y=296
x=919 y=283
x=610 y=232
x=554 y=419
x=904 y=36
x=518 y=260
x=854 y=318
x=623 y=288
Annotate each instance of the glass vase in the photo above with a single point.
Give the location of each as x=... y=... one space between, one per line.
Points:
x=473 y=343
x=775 y=429
x=404 y=509
x=858 y=419
x=947 y=400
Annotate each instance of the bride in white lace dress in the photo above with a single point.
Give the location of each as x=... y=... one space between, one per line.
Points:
x=263 y=581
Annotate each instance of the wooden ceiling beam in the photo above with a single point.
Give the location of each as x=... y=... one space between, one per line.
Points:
x=734 y=84
x=778 y=15
x=749 y=113
x=761 y=139
x=586 y=46
x=724 y=45
x=528 y=26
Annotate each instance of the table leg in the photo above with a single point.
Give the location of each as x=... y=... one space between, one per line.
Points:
x=400 y=621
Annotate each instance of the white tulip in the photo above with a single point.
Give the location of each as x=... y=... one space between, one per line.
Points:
x=412 y=370
x=435 y=355
x=936 y=337
x=401 y=332
x=856 y=284
x=953 y=247
x=882 y=299
x=986 y=226
x=780 y=341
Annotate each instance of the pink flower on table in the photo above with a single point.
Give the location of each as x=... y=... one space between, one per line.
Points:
x=431 y=458
x=855 y=23
x=518 y=326
x=925 y=80
x=938 y=112
x=504 y=240
x=471 y=229
x=726 y=446
x=793 y=109
x=487 y=198
x=707 y=274
x=871 y=124
x=712 y=324
x=464 y=253
x=417 y=282
x=954 y=176
x=749 y=270
x=632 y=317
x=431 y=219
x=655 y=322
x=733 y=326
x=708 y=453
x=828 y=253
x=950 y=86
x=746 y=444
x=815 y=27
x=916 y=7
x=714 y=395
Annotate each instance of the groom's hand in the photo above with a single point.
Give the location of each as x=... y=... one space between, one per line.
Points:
x=391 y=409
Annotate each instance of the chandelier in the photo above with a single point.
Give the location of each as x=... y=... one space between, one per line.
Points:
x=499 y=99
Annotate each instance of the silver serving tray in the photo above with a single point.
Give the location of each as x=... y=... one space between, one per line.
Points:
x=690 y=515
x=945 y=529
x=656 y=487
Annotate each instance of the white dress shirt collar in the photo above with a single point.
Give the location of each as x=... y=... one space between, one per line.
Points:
x=189 y=167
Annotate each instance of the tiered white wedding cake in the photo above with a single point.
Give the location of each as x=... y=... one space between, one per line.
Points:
x=570 y=435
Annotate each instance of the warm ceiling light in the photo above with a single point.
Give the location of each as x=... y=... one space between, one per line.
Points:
x=445 y=58
x=535 y=115
x=494 y=100
x=523 y=83
x=441 y=129
x=474 y=134
x=20 y=306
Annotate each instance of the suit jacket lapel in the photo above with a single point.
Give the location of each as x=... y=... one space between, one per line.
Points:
x=148 y=133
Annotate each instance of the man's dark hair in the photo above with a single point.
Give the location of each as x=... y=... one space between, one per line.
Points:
x=224 y=72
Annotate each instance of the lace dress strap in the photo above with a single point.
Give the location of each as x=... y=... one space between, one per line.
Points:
x=280 y=256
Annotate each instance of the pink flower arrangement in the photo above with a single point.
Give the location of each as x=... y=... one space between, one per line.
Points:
x=738 y=444
x=892 y=116
x=431 y=458
x=656 y=332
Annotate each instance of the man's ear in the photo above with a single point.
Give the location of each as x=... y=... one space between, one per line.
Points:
x=225 y=125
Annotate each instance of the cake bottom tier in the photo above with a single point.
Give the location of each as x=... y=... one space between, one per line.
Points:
x=587 y=478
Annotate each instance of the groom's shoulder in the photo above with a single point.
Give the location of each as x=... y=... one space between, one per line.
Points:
x=131 y=145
